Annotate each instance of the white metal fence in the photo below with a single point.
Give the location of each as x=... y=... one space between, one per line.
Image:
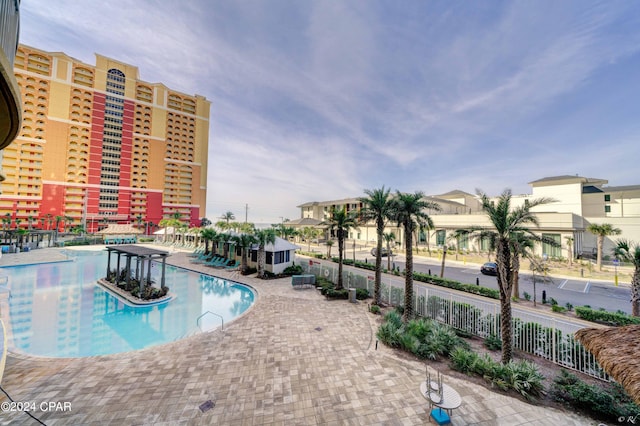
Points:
x=541 y=335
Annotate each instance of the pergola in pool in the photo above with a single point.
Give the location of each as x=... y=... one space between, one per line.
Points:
x=142 y=255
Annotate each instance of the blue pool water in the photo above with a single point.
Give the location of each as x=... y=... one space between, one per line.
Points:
x=58 y=310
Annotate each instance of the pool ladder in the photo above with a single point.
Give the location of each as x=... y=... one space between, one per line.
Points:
x=212 y=313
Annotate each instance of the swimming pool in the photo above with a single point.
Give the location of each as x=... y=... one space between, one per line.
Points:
x=58 y=310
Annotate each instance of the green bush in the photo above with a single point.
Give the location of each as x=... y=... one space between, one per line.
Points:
x=604 y=317
x=609 y=404
x=493 y=342
x=558 y=308
x=374 y=309
x=293 y=270
x=522 y=376
x=425 y=338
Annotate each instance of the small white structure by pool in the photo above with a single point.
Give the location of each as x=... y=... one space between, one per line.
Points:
x=279 y=255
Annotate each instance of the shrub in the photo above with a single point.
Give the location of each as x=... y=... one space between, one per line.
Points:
x=293 y=270
x=526 y=296
x=606 y=404
x=558 y=308
x=521 y=376
x=604 y=317
x=362 y=293
x=374 y=309
x=493 y=342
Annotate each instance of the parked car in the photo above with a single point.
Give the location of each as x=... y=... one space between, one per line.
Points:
x=384 y=252
x=489 y=268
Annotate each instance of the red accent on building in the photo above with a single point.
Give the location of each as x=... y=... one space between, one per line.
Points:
x=154 y=207
x=95 y=147
x=52 y=200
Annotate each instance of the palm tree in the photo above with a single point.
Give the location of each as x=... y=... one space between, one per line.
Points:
x=629 y=251
x=388 y=238
x=341 y=222
x=244 y=241
x=569 y=241
x=377 y=207
x=329 y=244
x=207 y=234
x=204 y=222
x=228 y=217
x=507 y=224
x=408 y=211
x=263 y=237
x=601 y=231
x=521 y=246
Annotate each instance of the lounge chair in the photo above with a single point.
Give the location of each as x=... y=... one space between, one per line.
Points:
x=234 y=265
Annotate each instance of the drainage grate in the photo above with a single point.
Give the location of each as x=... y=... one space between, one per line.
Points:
x=207 y=405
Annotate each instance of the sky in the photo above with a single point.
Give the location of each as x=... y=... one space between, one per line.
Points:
x=320 y=100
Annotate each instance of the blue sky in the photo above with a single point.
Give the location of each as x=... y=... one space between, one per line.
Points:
x=319 y=100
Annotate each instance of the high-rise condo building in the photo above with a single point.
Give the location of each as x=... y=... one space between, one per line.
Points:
x=98 y=145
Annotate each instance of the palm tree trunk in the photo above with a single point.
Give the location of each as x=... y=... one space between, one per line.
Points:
x=504 y=278
x=515 y=284
x=444 y=256
x=600 y=242
x=378 y=279
x=635 y=292
x=408 y=278
x=339 y=285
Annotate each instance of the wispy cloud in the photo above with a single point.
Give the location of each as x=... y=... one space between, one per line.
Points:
x=319 y=100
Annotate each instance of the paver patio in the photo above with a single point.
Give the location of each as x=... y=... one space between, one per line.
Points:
x=293 y=359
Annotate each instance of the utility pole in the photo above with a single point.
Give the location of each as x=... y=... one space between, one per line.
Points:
x=246 y=213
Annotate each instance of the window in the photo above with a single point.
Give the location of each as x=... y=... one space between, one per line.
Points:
x=552 y=250
x=440 y=237
x=607 y=209
x=607 y=198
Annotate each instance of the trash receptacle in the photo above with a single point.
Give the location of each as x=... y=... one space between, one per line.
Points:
x=352 y=295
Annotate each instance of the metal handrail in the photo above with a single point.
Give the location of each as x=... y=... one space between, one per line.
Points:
x=212 y=313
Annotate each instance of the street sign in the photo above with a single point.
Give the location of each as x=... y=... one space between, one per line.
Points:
x=616 y=262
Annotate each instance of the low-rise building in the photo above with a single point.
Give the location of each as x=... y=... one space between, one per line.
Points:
x=577 y=203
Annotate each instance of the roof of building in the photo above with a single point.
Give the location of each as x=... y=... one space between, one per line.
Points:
x=455 y=193
x=616 y=350
x=280 y=245
x=140 y=251
x=621 y=188
x=305 y=221
x=567 y=178
x=119 y=229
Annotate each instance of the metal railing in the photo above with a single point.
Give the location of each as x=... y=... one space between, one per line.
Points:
x=542 y=335
x=211 y=313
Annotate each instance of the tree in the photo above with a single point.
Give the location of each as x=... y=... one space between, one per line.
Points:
x=228 y=217
x=388 y=238
x=244 y=241
x=408 y=211
x=601 y=231
x=208 y=235
x=507 y=224
x=569 y=241
x=309 y=233
x=204 y=222
x=340 y=222
x=629 y=251
x=377 y=208
x=263 y=237
x=329 y=244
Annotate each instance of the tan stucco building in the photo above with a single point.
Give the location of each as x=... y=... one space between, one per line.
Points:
x=99 y=145
x=579 y=201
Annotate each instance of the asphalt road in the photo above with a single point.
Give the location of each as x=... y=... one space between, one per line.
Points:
x=576 y=291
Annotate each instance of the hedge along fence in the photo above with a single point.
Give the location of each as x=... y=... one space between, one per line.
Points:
x=541 y=335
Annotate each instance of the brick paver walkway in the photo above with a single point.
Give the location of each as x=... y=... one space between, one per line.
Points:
x=293 y=359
